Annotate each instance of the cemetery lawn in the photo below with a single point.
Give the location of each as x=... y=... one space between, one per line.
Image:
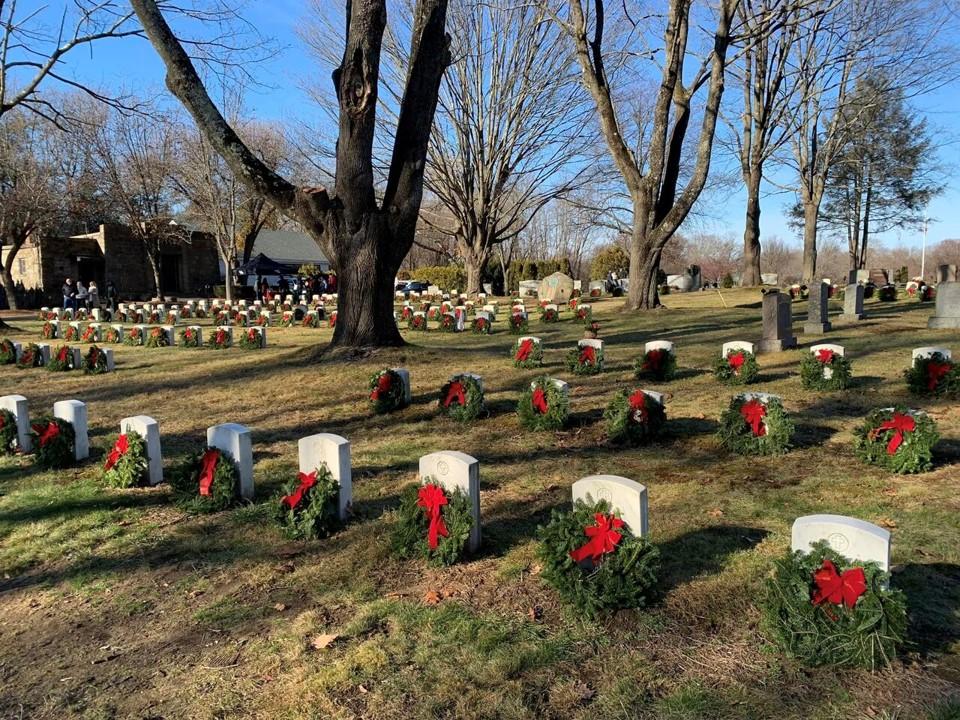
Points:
x=116 y=604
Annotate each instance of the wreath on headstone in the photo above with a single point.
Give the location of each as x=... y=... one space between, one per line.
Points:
x=61 y=360
x=595 y=292
x=386 y=391
x=8 y=352
x=433 y=523
x=448 y=323
x=89 y=334
x=887 y=293
x=48 y=331
x=206 y=481
x=185 y=312
x=9 y=437
x=543 y=406
x=584 y=314
x=482 y=326
x=127 y=464
x=251 y=339
x=189 y=337
x=934 y=375
x=527 y=353
x=111 y=336
x=928 y=293
x=70 y=334
x=30 y=357
x=156 y=338
x=750 y=426
x=219 y=339
x=657 y=364
x=154 y=318
x=634 y=418
x=897 y=439
x=585 y=360
x=824 y=609
x=286 y=320
x=240 y=319
x=433 y=313
x=52 y=440
x=95 y=361
x=133 y=336
x=814 y=369
x=417 y=322
x=519 y=323
x=309 y=505
x=593 y=561
x=736 y=367
x=461 y=398
x=549 y=315
x=332 y=322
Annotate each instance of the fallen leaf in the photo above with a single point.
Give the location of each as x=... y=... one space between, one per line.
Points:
x=536 y=568
x=319 y=642
x=362 y=689
x=716 y=512
x=280 y=607
x=887 y=523
x=432 y=597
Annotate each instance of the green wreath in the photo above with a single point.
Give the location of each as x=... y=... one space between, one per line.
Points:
x=316 y=509
x=527 y=356
x=112 y=336
x=49 y=331
x=812 y=372
x=934 y=375
x=52 y=448
x=219 y=339
x=624 y=578
x=658 y=364
x=310 y=320
x=8 y=352
x=482 y=326
x=887 y=293
x=70 y=334
x=127 y=463
x=417 y=322
x=224 y=490
x=726 y=371
x=9 y=437
x=251 y=339
x=519 y=324
x=95 y=361
x=386 y=391
x=867 y=635
x=549 y=315
x=30 y=357
x=583 y=314
x=61 y=360
x=912 y=450
x=737 y=435
x=634 y=418
x=461 y=398
x=89 y=334
x=580 y=362
x=189 y=337
x=133 y=336
x=286 y=320
x=410 y=536
x=156 y=338
x=547 y=409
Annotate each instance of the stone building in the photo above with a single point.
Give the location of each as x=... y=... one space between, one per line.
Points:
x=113 y=253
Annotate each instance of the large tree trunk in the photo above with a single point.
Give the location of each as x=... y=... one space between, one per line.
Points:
x=751 y=232
x=644 y=266
x=811 y=212
x=9 y=287
x=475 y=262
x=228 y=280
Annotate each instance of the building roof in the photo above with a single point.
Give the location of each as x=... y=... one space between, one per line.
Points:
x=289 y=248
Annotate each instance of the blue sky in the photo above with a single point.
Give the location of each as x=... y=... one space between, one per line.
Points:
x=132 y=64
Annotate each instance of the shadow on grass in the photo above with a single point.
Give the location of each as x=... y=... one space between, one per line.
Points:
x=947 y=452
x=809 y=436
x=933 y=599
x=68 y=508
x=703 y=552
x=689 y=426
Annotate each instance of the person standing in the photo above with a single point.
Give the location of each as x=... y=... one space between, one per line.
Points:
x=69 y=294
x=93 y=296
x=112 y=297
x=82 y=296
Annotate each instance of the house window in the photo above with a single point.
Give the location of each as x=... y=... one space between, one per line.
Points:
x=21 y=266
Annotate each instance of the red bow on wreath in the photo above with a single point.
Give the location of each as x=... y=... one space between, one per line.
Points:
x=736 y=361
x=207 y=467
x=455 y=393
x=383 y=386
x=540 y=401
x=48 y=433
x=936 y=371
x=655 y=360
x=62 y=355
x=837 y=588
x=119 y=450
x=753 y=412
x=638 y=404
x=588 y=356
x=523 y=352
x=603 y=538
x=306 y=482
x=432 y=498
x=825 y=356
x=3 y=422
x=899 y=423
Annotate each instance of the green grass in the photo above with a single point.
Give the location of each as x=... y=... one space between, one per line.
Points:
x=114 y=603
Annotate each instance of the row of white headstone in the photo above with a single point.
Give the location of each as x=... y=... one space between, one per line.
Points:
x=744 y=346
x=76 y=355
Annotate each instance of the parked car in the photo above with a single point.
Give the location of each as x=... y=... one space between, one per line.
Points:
x=414 y=286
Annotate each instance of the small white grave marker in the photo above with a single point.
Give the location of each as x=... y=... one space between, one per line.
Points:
x=660 y=345
x=736 y=346
x=333 y=451
x=17 y=406
x=235 y=439
x=835 y=349
x=853 y=538
x=626 y=496
x=926 y=352
x=405 y=377
x=452 y=470
x=149 y=429
x=75 y=413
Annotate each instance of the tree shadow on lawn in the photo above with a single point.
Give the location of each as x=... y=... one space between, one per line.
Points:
x=507 y=531
x=703 y=552
x=933 y=602
x=690 y=426
x=135 y=498
x=947 y=452
x=808 y=436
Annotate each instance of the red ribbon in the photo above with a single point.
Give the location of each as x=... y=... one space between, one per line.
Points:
x=603 y=538
x=48 y=433
x=825 y=356
x=588 y=355
x=63 y=354
x=736 y=361
x=837 y=588
x=655 y=359
x=936 y=371
x=383 y=387
x=540 y=401
x=221 y=337
x=899 y=423
x=753 y=412
x=455 y=393
x=251 y=335
x=306 y=482
x=523 y=352
x=188 y=334
x=207 y=467
x=638 y=403
x=119 y=450
x=432 y=498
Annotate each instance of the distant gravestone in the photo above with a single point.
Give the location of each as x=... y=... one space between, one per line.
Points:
x=947 y=273
x=17 y=406
x=149 y=429
x=528 y=288
x=235 y=439
x=75 y=413
x=626 y=497
x=854 y=539
x=947 y=312
x=452 y=471
x=556 y=288
x=331 y=450
x=853 y=302
x=770 y=279
x=879 y=277
x=777 y=323
x=818 y=321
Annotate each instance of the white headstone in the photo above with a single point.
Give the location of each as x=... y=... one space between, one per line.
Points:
x=111 y=366
x=625 y=496
x=761 y=396
x=736 y=346
x=44 y=349
x=452 y=470
x=235 y=439
x=473 y=376
x=853 y=538
x=835 y=349
x=333 y=451
x=659 y=397
x=17 y=406
x=660 y=345
x=149 y=429
x=558 y=384
x=405 y=376
x=198 y=333
x=229 y=331
x=926 y=352
x=76 y=357
x=75 y=413
x=591 y=342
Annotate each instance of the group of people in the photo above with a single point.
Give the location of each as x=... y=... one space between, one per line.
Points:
x=315 y=285
x=78 y=295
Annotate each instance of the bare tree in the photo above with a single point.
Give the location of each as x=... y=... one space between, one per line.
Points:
x=652 y=176
x=366 y=240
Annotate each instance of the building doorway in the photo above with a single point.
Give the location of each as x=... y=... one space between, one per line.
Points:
x=169 y=273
